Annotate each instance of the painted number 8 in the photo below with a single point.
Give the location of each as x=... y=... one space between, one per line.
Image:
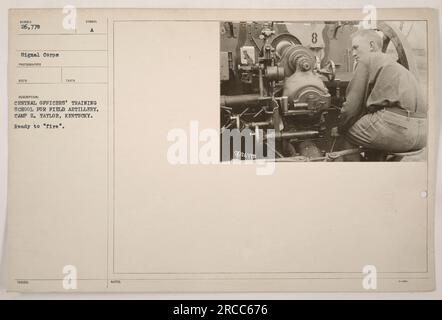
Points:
x=314 y=37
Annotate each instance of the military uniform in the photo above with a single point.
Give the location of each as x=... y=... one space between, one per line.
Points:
x=384 y=108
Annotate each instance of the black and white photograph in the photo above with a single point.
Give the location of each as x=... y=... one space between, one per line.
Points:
x=324 y=90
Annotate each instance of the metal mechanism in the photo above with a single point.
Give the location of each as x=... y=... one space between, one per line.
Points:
x=291 y=98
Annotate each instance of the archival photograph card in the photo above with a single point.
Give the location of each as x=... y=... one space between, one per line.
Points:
x=221 y=150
